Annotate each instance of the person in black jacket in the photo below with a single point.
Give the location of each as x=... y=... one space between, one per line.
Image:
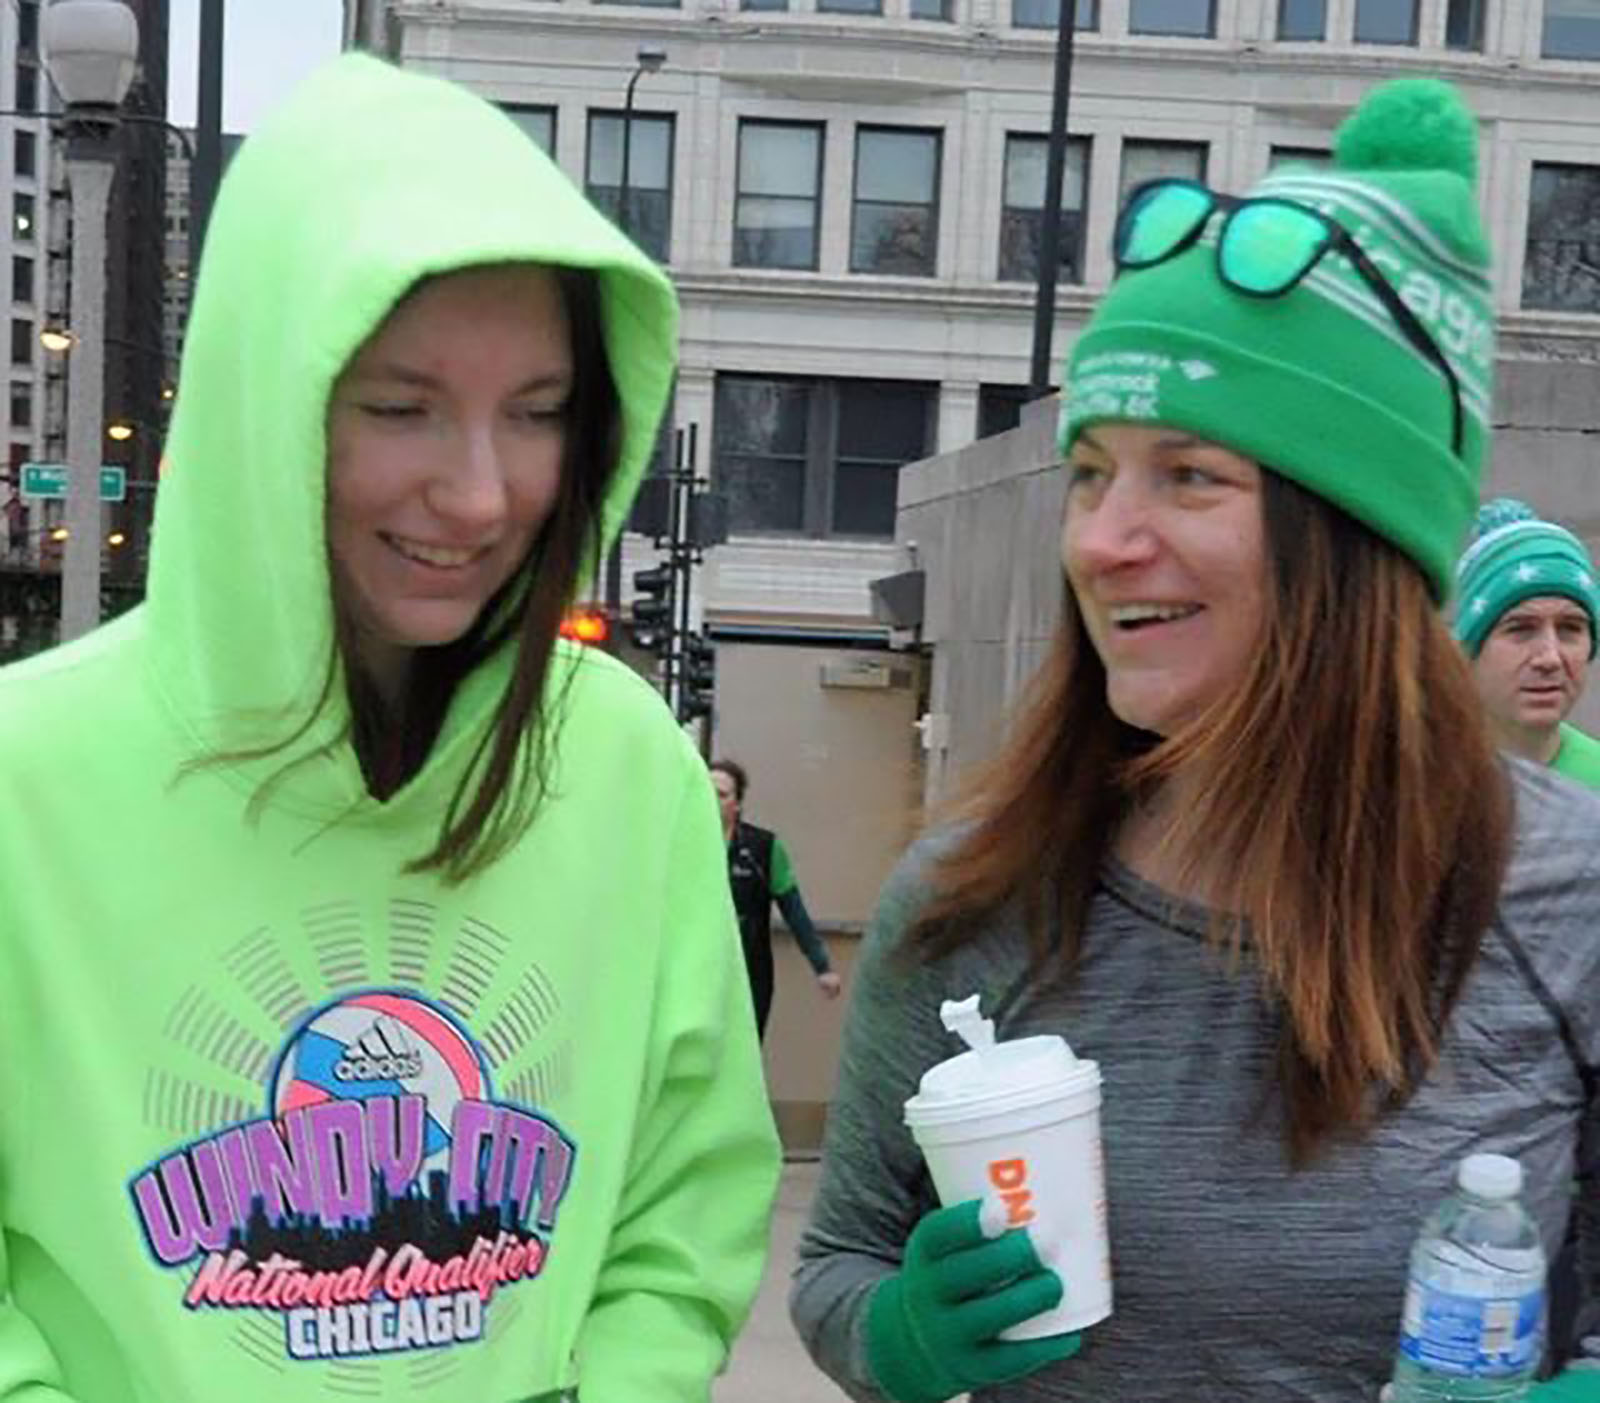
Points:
x=760 y=872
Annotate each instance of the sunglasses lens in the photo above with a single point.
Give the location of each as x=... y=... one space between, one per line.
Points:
x=1157 y=221
x=1267 y=246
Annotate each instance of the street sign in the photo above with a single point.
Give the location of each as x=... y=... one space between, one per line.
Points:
x=50 y=480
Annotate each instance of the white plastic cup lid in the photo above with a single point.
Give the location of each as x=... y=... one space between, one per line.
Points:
x=1020 y=1065
x=1490 y=1176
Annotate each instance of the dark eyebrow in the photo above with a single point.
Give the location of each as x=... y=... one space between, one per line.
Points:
x=1566 y=611
x=396 y=373
x=1168 y=442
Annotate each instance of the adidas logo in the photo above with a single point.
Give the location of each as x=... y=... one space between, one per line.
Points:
x=1197 y=369
x=385 y=1053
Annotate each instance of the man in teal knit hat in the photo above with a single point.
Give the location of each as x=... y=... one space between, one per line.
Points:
x=1528 y=615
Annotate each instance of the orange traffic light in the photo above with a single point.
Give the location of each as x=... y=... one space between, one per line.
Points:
x=586 y=626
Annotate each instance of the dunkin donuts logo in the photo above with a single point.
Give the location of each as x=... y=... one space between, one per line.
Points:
x=382 y=1202
x=1010 y=1178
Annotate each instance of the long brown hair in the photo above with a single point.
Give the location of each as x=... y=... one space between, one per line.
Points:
x=1352 y=816
x=507 y=777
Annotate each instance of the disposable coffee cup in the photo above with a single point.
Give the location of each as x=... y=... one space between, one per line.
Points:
x=1017 y=1125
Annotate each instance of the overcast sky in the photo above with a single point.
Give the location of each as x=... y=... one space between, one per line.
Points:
x=268 y=45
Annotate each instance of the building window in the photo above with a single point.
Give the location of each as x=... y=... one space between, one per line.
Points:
x=896 y=228
x=1571 y=29
x=21 y=405
x=1562 y=270
x=663 y=459
x=1303 y=20
x=22 y=216
x=1298 y=156
x=28 y=26
x=1189 y=19
x=1044 y=14
x=1386 y=21
x=1157 y=160
x=21 y=341
x=763 y=435
x=1000 y=408
x=27 y=86
x=763 y=4
x=648 y=218
x=653 y=4
x=25 y=154
x=1022 y=212
x=851 y=7
x=778 y=202
x=930 y=9
x=818 y=457
x=1464 y=25
x=22 y=280
x=538 y=125
x=883 y=425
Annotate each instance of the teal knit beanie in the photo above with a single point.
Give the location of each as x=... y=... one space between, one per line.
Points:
x=1514 y=556
x=1321 y=384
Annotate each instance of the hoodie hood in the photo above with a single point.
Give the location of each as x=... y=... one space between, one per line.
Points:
x=366 y=181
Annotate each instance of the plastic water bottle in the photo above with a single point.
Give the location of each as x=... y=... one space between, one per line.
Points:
x=1473 y=1326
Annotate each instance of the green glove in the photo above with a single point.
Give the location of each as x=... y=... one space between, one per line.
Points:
x=933 y=1327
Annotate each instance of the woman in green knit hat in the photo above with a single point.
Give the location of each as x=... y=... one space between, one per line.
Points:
x=1251 y=847
x=1528 y=615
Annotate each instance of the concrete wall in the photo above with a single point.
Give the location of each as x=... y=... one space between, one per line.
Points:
x=985 y=522
x=1547 y=451
x=834 y=767
x=986 y=525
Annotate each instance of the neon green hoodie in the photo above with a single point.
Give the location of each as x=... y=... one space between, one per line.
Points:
x=1579 y=757
x=279 y=1120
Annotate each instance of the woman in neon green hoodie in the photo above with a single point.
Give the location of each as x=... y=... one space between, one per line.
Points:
x=334 y=1056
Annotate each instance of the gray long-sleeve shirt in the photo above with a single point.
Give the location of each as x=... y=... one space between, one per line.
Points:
x=1235 y=1278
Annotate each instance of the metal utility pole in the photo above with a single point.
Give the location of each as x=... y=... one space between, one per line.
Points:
x=91 y=163
x=650 y=60
x=685 y=518
x=1044 y=307
x=205 y=171
x=91 y=52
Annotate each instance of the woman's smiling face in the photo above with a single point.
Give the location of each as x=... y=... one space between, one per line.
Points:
x=1164 y=548
x=445 y=443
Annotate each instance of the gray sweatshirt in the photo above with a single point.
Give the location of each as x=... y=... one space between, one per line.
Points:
x=1235 y=1278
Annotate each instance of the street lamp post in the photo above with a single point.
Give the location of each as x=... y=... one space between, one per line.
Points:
x=205 y=162
x=1044 y=303
x=650 y=60
x=91 y=49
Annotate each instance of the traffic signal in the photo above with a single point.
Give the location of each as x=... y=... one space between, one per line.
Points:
x=699 y=677
x=650 y=619
x=589 y=626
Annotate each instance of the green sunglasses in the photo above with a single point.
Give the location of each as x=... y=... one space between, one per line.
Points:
x=1265 y=247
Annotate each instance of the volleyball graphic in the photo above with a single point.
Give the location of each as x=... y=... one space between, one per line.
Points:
x=383 y=1044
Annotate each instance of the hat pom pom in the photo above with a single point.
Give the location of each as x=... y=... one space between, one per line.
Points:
x=1411 y=124
x=1503 y=511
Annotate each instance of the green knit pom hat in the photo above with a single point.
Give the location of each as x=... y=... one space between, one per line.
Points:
x=1321 y=384
x=1514 y=556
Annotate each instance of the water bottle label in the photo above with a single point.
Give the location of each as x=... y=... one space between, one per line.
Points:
x=1480 y=1337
